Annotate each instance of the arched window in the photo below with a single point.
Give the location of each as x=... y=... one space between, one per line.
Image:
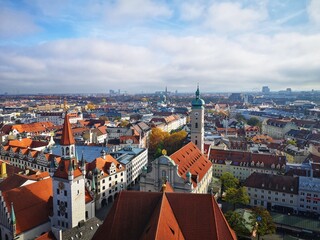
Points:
x=67 y=151
x=163 y=173
x=196 y=142
x=62 y=151
x=71 y=150
x=196 y=125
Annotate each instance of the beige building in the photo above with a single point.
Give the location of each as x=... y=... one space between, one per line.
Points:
x=277 y=128
x=187 y=170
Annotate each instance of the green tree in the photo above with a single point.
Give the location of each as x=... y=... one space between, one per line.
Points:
x=237 y=196
x=253 y=121
x=237 y=223
x=262 y=221
x=228 y=181
x=292 y=142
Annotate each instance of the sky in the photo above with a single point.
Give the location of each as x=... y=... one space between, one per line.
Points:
x=140 y=46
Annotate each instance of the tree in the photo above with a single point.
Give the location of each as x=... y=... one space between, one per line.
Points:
x=124 y=123
x=228 y=181
x=174 y=141
x=292 y=142
x=157 y=137
x=235 y=196
x=262 y=221
x=253 y=121
x=237 y=223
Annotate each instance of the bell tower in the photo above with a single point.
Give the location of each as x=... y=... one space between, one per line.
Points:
x=68 y=184
x=197 y=121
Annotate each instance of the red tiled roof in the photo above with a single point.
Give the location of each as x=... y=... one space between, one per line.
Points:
x=11 y=182
x=46 y=236
x=189 y=158
x=148 y=215
x=62 y=170
x=27 y=142
x=272 y=182
x=104 y=164
x=31 y=204
x=219 y=156
x=67 y=137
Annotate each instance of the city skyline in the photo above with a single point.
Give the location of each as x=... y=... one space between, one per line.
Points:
x=143 y=46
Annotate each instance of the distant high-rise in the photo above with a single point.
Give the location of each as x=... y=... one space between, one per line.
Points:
x=265 y=89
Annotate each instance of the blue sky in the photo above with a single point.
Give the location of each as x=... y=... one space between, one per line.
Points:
x=143 y=45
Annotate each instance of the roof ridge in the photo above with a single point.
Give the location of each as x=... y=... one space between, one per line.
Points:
x=215 y=217
x=158 y=220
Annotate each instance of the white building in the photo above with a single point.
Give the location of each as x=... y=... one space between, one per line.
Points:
x=274 y=192
x=309 y=195
x=134 y=159
x=106 y=177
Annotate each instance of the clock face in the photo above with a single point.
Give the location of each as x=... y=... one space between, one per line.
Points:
x=196 y=114
x=61 y=185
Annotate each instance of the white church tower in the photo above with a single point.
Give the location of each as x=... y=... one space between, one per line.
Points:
x=68 y=186
x=197 y=121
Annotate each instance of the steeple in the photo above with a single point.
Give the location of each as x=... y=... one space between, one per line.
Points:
x=67 y=141
x=67 y=136
x=197 y=92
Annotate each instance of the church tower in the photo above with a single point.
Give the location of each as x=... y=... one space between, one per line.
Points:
x=197 y=121
x=68 y=185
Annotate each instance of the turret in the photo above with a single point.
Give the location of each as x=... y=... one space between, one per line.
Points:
x=13 y=221
x=188 y=176
x=103 y=154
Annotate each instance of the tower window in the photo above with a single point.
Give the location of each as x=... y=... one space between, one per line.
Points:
x=196 y=125
x=196 y=142
x=65 y=192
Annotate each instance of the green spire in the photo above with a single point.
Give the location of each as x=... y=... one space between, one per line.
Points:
x=13 y=216
x=197 y=92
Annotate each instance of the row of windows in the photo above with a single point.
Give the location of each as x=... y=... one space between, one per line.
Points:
x=63 y=224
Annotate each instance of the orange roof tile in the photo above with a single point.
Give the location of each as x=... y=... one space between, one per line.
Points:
x=189 y=158
x=62 y=170
x=104 y=164
x=34 y=209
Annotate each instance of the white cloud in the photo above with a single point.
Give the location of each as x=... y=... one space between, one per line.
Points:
x=314 y=11
x=229 y=16
x=190 y=11
x=16 y=23
x=135 y=10
x=217 y=63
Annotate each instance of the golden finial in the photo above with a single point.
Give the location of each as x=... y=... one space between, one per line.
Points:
x=164 y=152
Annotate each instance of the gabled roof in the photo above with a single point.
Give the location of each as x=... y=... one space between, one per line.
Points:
x=27 y=142
x=63 y=169
x=149 y=215
x=104 y=165
x=31 y=204
x=67 y=136
x=189 y=158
